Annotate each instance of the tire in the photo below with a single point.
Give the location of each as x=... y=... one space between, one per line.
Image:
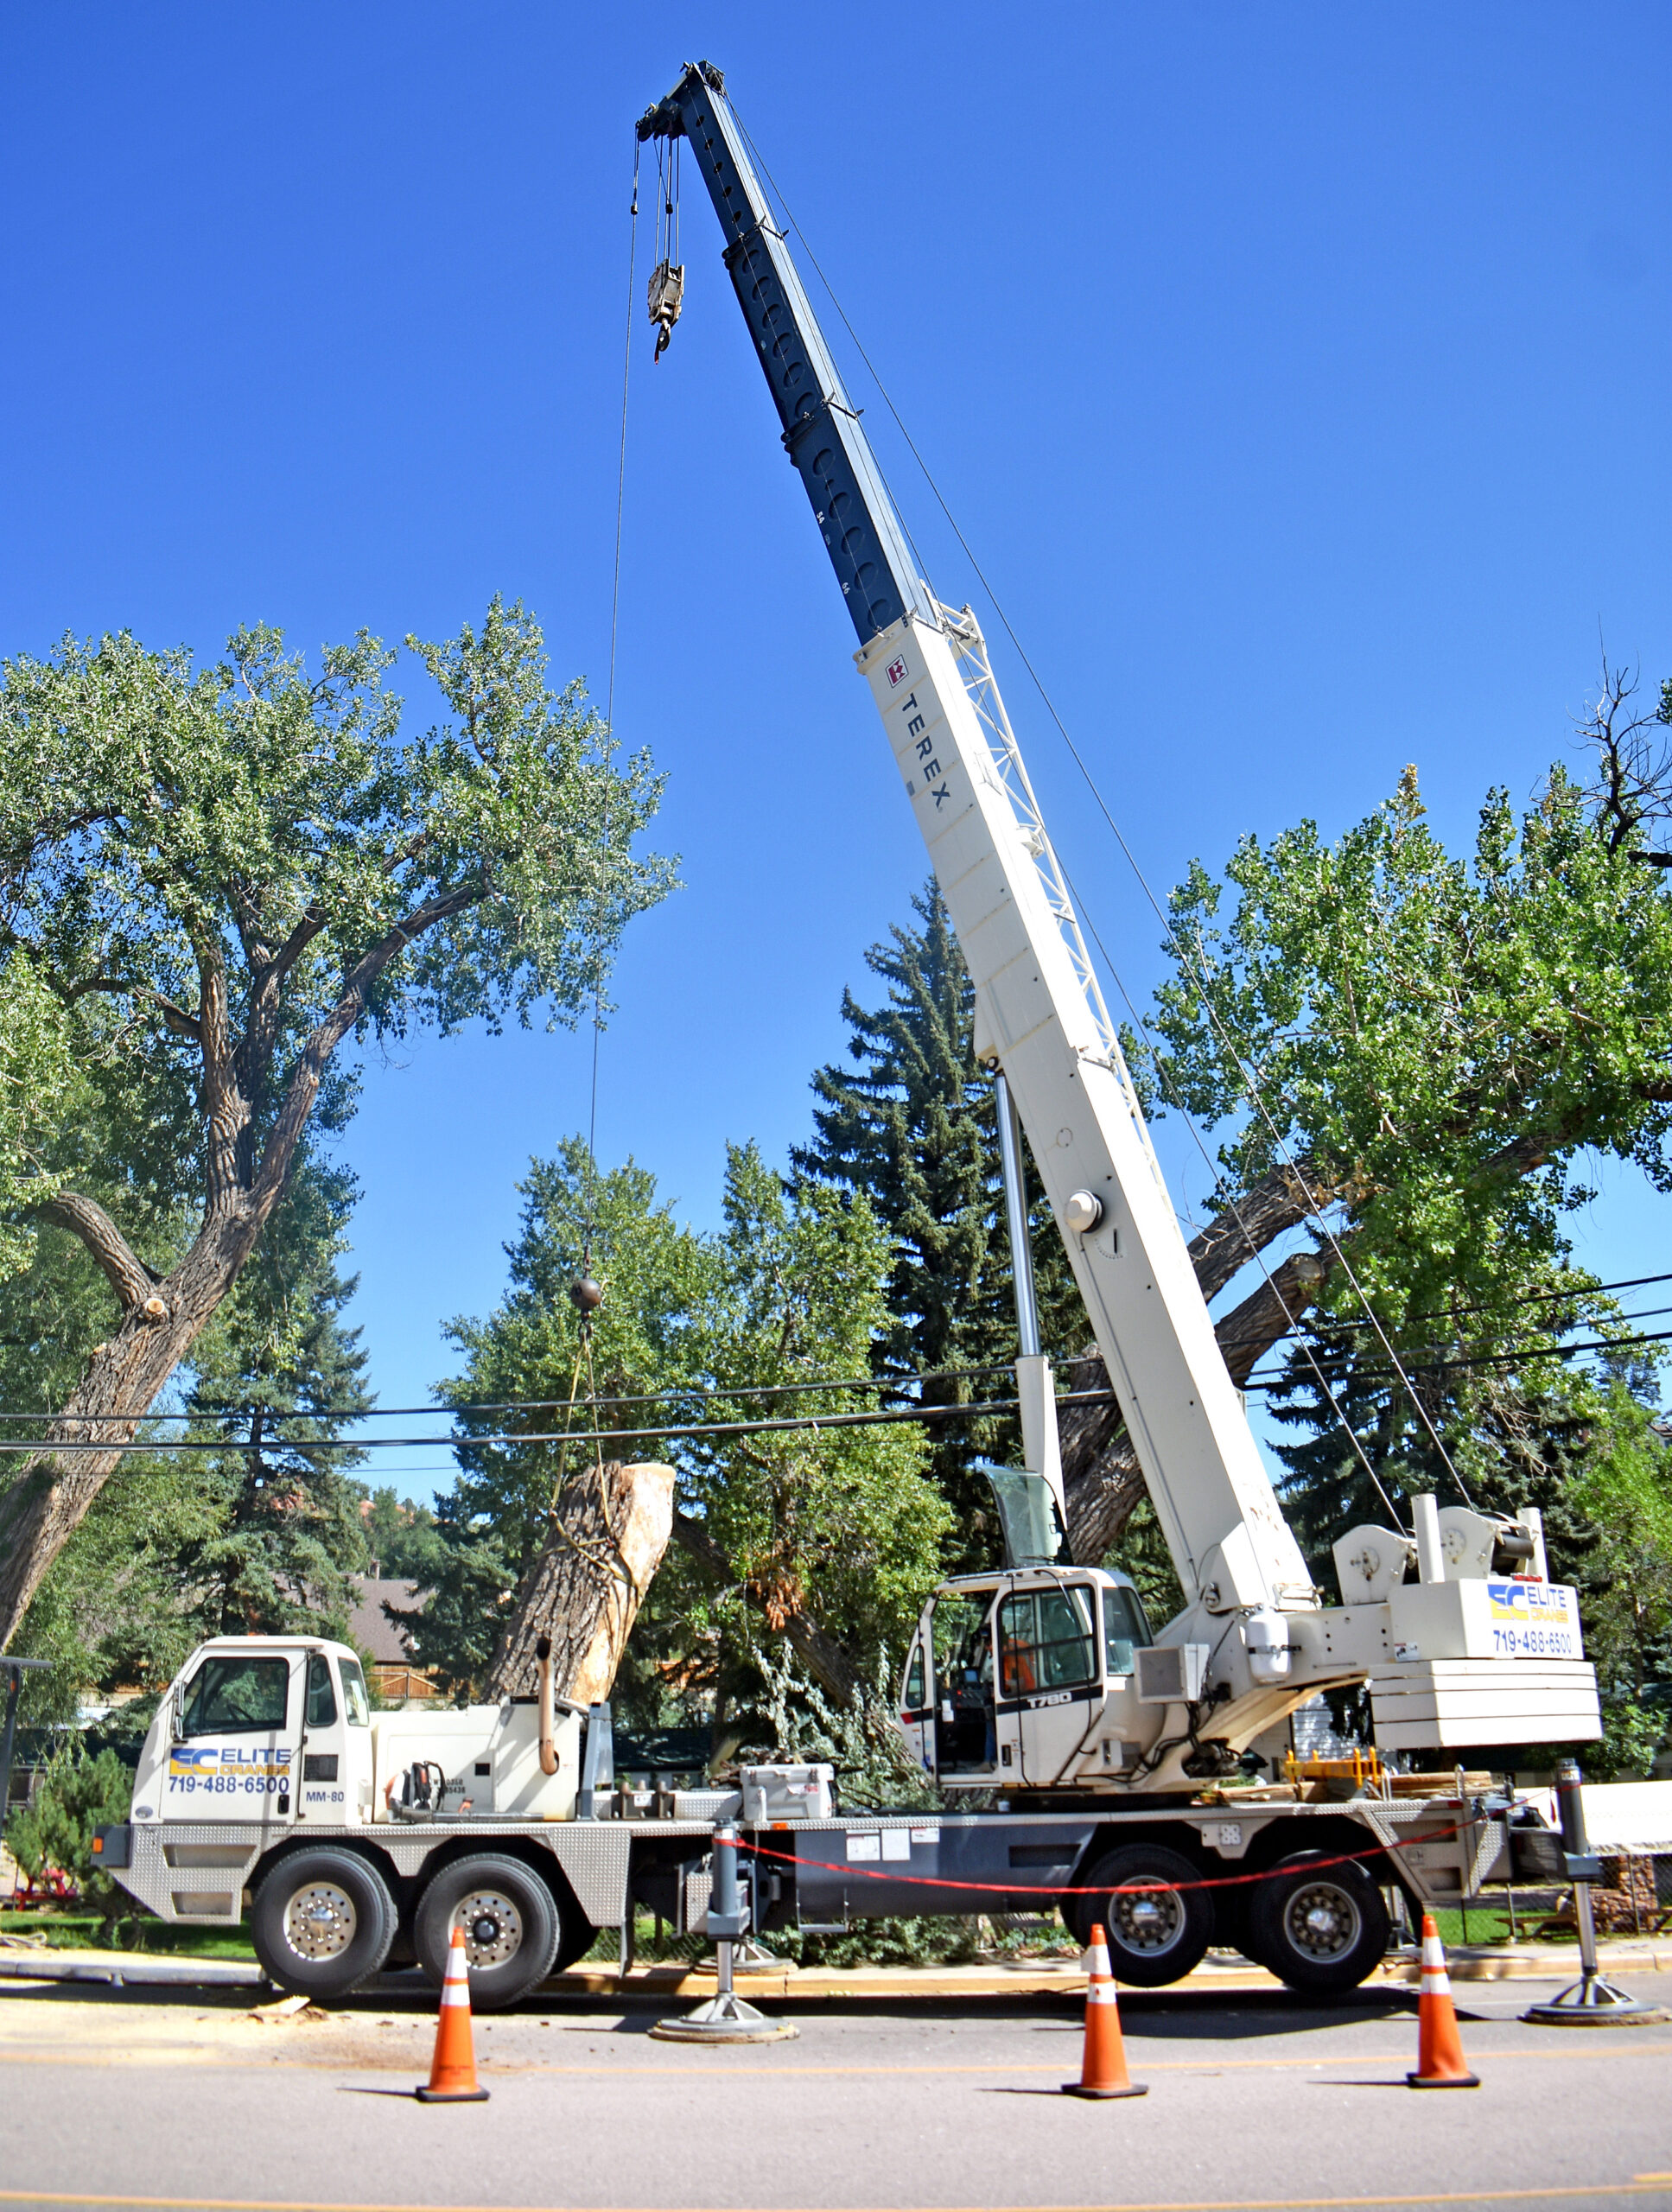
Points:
x=510 y=1924
x=322 y=1923
x=1318 y=1927
x=1153 y=1938
x=575 y=1934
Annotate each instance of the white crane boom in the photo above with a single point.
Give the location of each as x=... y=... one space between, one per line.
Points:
x=1255 y=1639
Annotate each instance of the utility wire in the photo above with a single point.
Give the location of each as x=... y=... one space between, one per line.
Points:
x=1484 y=1359
x=883 y=1389
x=512 y=1440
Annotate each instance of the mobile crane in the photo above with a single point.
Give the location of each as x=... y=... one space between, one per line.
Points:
x=1109 y=1754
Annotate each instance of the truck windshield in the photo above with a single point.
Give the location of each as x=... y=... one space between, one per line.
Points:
x=353 y=1694
x=235 y=1697
x=1046 y=1640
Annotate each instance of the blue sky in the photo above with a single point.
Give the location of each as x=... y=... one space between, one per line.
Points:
x=1298 y=375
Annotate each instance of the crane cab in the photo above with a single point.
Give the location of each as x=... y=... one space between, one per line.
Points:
x=1025 y=1678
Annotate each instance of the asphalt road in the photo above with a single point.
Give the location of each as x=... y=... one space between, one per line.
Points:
x=170 y=2098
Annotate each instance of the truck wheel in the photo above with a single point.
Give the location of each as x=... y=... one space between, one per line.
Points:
x=1156 y=1932
x=509 y=1922
x=1318 y=1927
x=322 y=1923
x=575 y=1934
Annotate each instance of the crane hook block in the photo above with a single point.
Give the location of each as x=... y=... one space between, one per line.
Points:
x=667 y=291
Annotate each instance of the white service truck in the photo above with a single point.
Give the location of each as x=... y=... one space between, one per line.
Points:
x=1109 y=1757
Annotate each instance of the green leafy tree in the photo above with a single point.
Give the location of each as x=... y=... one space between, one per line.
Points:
x=530 y=1368
x=836 y=1527
x=222 y=875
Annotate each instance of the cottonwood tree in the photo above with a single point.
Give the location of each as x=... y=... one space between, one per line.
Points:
x=1410 y=1055
x=222 y=875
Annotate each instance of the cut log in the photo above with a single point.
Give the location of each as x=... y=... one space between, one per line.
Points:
x=584 y=1589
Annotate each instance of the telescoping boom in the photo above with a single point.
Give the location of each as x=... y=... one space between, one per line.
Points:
x=1256 y=1637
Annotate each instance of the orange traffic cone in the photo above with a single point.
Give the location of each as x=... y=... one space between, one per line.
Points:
x=1440 y=2060
x=453 y=2070
x=1103 y=2071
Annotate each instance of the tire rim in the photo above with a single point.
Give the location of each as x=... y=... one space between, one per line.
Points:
x=493 y=1927
x=321 y=1921
x=1146 y=1921
x=1322 y=1921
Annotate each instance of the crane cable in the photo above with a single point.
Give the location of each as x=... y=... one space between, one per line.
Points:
x=583 y=1291
x=1247 y=1079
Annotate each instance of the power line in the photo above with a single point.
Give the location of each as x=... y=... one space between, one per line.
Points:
x=883 y=1387
x=1483 y=1359
x=512 y=1440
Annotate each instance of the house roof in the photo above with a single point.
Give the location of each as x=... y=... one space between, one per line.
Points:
x=371 y=1628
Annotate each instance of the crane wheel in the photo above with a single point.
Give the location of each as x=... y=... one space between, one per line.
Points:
x=1158 y=1927
x=1318 y=1926
x=322 y=1923
x=510 y=1921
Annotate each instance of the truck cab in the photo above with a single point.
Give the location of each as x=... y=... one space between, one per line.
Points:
x=1028 y=1678
x=271 y=1728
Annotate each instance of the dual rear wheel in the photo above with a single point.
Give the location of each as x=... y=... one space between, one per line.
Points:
x=1316 y=1923
x=324 y=1922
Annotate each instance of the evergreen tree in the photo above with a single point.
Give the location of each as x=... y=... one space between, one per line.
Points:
x=279 y=1376
x=912 y=1127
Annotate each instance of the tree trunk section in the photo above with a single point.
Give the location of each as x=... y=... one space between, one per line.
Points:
x=584 y=1589
x=45 y=1504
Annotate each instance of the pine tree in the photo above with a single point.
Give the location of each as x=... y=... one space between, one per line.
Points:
x=913 y=1126
x=279 y=1376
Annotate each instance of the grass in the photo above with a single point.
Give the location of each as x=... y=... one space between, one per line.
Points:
x=67 y=1928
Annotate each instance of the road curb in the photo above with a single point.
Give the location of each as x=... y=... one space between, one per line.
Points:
x=1526 y=1963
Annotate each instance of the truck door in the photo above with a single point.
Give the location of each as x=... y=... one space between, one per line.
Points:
x=917 y=1709
x=1050 y=1680
x=233 y=1755
x=961 y=1684
x=336 y=1783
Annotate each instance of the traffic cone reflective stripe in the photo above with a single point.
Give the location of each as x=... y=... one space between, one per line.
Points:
x=1103 y=2070
x=453 y=2070
x=1439 y=2061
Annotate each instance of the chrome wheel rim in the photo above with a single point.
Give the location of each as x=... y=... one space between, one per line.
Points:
x=1322 y=1921
x=320 y=1921
x=1149 y=1921
x=493 y=1927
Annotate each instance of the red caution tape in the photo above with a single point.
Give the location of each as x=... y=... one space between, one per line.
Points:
x=1120 y=1889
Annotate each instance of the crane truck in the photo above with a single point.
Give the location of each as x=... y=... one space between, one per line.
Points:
x=1085 y=1760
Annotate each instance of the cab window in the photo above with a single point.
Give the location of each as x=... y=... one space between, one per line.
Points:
x=1125 y=1628
x=353 y=1694
x=235 y=1697
x=321 y=1698
x=1046 y=1640
x=914 y=1698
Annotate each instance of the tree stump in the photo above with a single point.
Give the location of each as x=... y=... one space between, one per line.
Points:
x=584 y=1589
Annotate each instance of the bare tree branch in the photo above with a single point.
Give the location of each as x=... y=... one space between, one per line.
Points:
x=127 y=1274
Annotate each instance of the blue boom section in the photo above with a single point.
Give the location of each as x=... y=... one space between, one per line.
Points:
x=822 y=432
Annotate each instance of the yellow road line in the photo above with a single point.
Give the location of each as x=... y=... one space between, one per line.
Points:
x=1638 y=2186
